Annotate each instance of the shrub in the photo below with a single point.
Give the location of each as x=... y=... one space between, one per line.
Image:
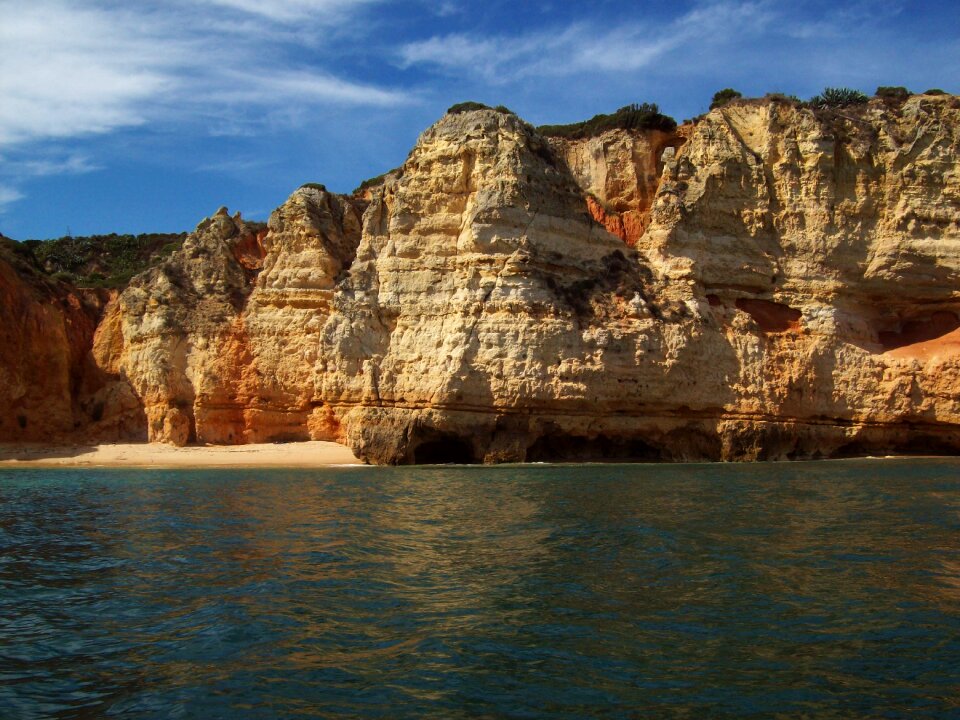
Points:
x=838 y=97
x=504 y=109
x=369 y=182
x=646 y=116
x=780 y=97
x=935 y=91
x=722 y=97
x=314 y=186
x=102 y=260
x=897 y=94
x=466 y=107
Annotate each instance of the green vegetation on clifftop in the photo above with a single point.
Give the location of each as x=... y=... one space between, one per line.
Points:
x=107 y=261
x=646 y=116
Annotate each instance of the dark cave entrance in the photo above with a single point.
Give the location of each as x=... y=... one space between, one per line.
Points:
x=576 y=448
x=443 y=450
x=916 y=445
x=923 y=444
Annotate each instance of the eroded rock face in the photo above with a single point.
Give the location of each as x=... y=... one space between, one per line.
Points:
x=173 y=325
x=818 y=245
x=220 y=340
x=766 y=283
x=793 y=294
x=484 y=305
x=50 y=390
x=619 y=172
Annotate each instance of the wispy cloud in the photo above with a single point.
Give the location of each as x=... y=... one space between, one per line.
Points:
x=278 y=86
x=72 y=165
x=582 y=47
x=18 y=167
x=76 y=68
x=327 y=11
x=8 y=196
x=57 y=78
x=69 y=70
x=834 y=41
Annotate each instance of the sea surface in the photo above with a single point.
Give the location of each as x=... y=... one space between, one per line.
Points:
x=817 y=590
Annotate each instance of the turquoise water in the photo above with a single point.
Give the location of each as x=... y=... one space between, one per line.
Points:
x=820 y=590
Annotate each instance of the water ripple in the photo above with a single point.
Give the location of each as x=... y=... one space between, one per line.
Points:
x=796 y=590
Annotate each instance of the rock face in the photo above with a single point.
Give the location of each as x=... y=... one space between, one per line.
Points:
x=221 y=340
x=769 y=282
x=825 y=252
x=50 y=388
x=620 y=173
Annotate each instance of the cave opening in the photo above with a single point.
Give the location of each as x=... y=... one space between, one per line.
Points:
x=853 y=449
x=561 y=447
x=924 y=444
x=916 y=445
x=443 y=450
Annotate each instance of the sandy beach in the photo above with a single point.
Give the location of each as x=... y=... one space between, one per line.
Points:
x=300 y=454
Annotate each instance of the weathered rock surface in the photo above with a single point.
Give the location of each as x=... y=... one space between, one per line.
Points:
x=50 y=389
x=767 y=283
x=220 y=341
x=620 y=173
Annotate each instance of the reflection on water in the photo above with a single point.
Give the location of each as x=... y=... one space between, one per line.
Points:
x=818 y=590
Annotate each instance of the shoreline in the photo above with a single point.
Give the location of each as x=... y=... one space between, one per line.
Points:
x=300 y=454
x=158 y=455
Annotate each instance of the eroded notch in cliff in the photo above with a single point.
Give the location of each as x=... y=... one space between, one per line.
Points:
x=921 y=333
x=770 y=317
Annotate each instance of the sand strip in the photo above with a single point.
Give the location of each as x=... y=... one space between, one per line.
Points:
x=299 y=454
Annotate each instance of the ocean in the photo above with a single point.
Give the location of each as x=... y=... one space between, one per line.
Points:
x=820 y=590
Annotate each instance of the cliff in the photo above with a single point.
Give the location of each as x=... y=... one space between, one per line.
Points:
x=769 y=282
x=50 y=387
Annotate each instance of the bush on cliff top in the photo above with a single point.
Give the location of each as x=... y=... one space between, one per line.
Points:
x=892 y=93
x=470 y=105
x=646 y=116
x=722 y=97
x=838 y=97
x=783 y=98
x=374 y=181
x=466 y=107
x=368 y=183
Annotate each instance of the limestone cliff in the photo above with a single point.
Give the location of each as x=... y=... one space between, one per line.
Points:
x=220 y=341
x=769 y=282
x=794 y=293
x=50 y=389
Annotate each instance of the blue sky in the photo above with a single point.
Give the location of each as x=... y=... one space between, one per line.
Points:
x=138 y=116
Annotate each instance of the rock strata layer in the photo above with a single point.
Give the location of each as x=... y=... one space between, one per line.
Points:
x=770 y=282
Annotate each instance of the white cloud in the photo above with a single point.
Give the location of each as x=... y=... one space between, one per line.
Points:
x=8 y=196
x=291 y=10
x=43 y=167
x=70 y=69
x=799 y=41
x=583 y=47
x=18 y=168
x=279 y=86
x=76 y=68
